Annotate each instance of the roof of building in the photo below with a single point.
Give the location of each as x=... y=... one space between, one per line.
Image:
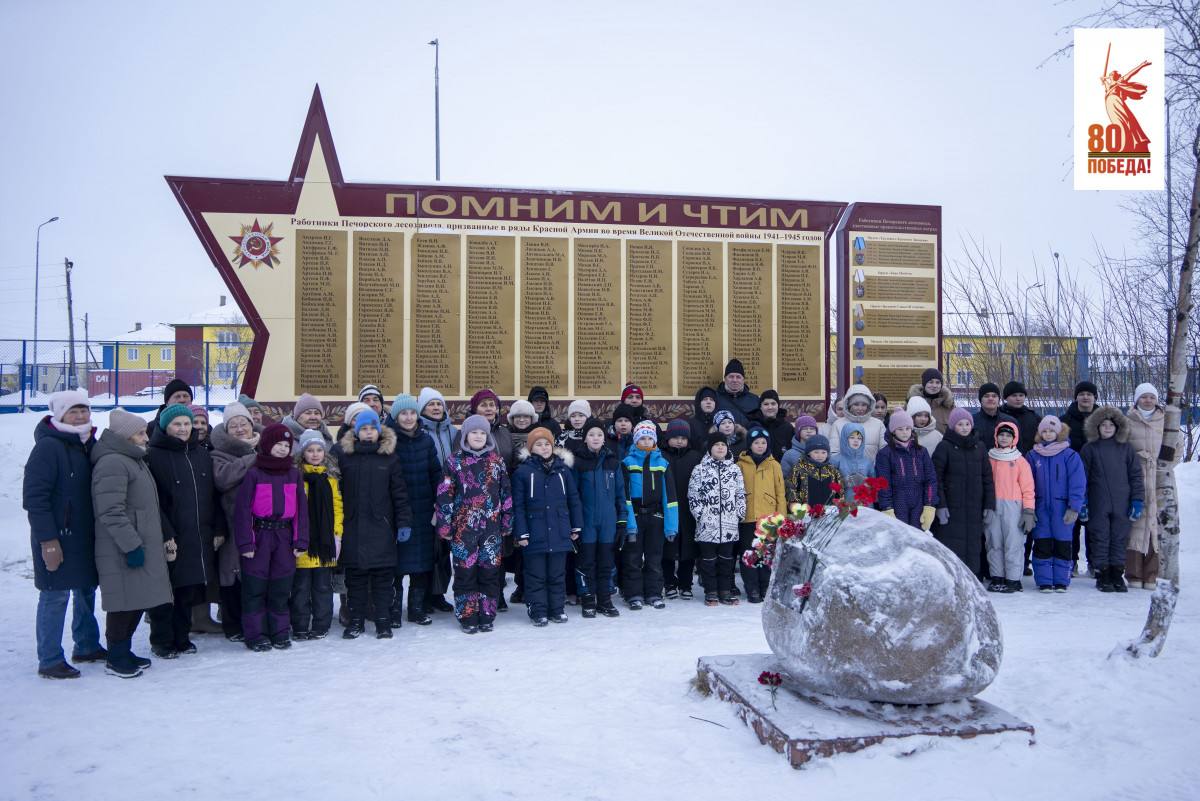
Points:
x=228 y=314
x=155 y=332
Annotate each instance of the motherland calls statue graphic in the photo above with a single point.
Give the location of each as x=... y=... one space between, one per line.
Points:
x=1118 y=90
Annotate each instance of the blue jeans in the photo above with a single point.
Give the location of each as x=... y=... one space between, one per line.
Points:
x=52 y=613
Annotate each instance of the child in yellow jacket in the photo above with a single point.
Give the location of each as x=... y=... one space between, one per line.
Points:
x=1005 y=528
x=765 y=495
x=312 y=587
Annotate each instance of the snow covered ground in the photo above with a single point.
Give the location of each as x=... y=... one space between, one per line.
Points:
x=595 y=709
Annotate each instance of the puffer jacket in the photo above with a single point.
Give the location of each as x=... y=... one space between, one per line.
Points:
x=374 y=498
x=474 y=500
x=231 y=458
x=912 y=482
x=717 y=498
x=1146 y=439
x=1114 y=471
x=601 y=487
x=763 y=483
x=851 y=462
x=940 y=406
x=190 y=505
x=305 y=560
x=650 y=485
x=1060 y=483
x=546 y=508
x=418 y=457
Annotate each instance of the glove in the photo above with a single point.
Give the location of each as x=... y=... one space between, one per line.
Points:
x=988 y=516
x=574 y=533
x=1083 y=514
x=136 y=557
x=671 y=535
x=927 y=514
x=1028 y=520
x=1070 y=516
x=1135 y=510
x=943 y=516
x=52 y=554
x=890 y=512
x=172 y=550
x=403 y=534
x=218 y=542
x=523 y=542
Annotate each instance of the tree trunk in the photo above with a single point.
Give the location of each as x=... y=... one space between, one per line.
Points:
x=1166 y=593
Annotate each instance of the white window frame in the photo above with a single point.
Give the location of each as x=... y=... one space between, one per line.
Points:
x=132 y=354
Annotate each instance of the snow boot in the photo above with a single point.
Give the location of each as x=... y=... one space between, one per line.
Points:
x=541 y=621
x=383 y=629
x=343 y=610
x=469 y=628
x=60 y=671
x=607 y=609
x=1104 y=579
x=561 y=617
x=484 y=628
x=710 y=599
x=438 y=603
x=140 y=661
x=589 y=605
x=397 y=609
x=164 y=652
x=658 y=603
x=1014 y=586
x=1117 y=576
x=99 y=655
x=259 y=646
x=281 y=643
x=119 y=663
x=416 y=608
x=354 y=630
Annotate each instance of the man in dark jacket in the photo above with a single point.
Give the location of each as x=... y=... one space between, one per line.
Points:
x=1076 y=419
x=1027 y=419
x=176 y=391
x=57 y=494
x=734 y=395
x=989 y=415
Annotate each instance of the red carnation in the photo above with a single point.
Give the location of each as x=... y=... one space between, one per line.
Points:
x=803 y=590
x=816 y=510
x=835 y=487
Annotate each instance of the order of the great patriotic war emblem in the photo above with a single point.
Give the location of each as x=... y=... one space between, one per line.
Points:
x=255 y=246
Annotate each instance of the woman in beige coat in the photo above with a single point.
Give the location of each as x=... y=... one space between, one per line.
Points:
x=1146 y=418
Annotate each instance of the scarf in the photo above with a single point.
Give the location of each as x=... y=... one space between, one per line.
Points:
x=83 y=431
x=1051 y=448
x=1004 y=454
x=273 y=464
x=760 y=458
x=320 y=516
x=1146 y=415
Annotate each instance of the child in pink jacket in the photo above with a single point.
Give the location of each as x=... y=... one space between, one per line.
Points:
x=1005 y=528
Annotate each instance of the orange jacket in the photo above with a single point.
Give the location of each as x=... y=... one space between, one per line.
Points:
x=1013 y=480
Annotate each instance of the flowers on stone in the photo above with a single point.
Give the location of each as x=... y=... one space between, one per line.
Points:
x=772 y=681
x=803 y=590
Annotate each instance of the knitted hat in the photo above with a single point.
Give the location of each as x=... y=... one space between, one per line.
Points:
x=678 y=428
x=757 y=432
x=1012 y=388
x=539 y=393
x=1145 y=389
x=805 y=421
x=171 y=412
x=429 y=394
x=735 y=366
x=918 y=405
x=367 y=417
x=626 y=411
x=310 y=437
x=989 y=387
x=249 y=402
x=177 y=385
x=1086 y=386
x=930 y=374
x=404 y=402
x=480 y=396
x=236 y=409
x=61 y=402
x=476 y=422
x=768 y=394
x=1010 y=427
x=817 y=442
x=631 y=389
x=541 y=432
x=275 y=433
x=721 y=416
x=306 y=402
x=580 y=406
x=706 y=392
x=124 y=424
x=591 y=423
x=198 y=411
x=1050 y=423
x=521 y=407
x=899 y=419
x=713 y=438
x=644 y=429
x=958 y=415
x=352 y=411
x=370 y=389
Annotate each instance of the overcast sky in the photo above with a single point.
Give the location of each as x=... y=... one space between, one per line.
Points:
x=939 y=103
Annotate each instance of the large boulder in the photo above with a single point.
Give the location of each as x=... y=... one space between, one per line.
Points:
x=893 y=616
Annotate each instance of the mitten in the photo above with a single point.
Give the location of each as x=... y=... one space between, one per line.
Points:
x=890 y=512
x=403 y=534
x=1135 y=509
x=136 y=557
x=1070 y=516
x=52 y=554
x=927 y=515
x=943 y=516
x=1028 y=520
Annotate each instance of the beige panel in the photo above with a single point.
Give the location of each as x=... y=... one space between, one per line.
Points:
x=544 y=299
x=321 y=265
x=597 y=317
x=750 y=311
x=648 y=343
x=379 y=310
x=801 y=322
x=491 y=296
x=434 y=310
x=701 y=315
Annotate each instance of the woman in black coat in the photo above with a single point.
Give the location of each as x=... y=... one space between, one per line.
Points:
x=418 y=457
x=193 y=526
x=376 y=518
x=965 y=487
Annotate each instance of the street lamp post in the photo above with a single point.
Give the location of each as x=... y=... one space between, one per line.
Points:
x=37 y=258
x=1025 y=327
x=437 y=115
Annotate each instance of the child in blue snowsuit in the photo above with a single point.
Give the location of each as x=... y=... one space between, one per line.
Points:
x=651 y=518
x=852 y=460
x=911 y=493
x=1061 y=486
x=602 y=493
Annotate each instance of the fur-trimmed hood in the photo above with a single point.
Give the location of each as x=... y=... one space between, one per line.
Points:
x=1091 y=426
x=945 y=398
x=387 y=442
x=563 y=454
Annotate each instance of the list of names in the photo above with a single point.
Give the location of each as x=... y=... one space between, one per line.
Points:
x=321 y=265
x=750 y=311
x=648 y=327
x=378 y=309
x=544 y=293
x=597 y=335
x=491 y=299
x=435 y=312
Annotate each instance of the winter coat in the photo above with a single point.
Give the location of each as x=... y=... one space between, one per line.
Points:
x=912 y=484
x=231 y=458
x=853 y=463
x=57 y=494
x=1075 y=420
x=265 y=495
x=940 y=406
x=683 y=462
x=763 y=481
x=965 y=489
x=306 y=561
x=1112 y=466
x=700 y=422
x=872 y=425
x=787 y=463
x=779 y=429
x=1012 y=478
x=742 y=404
x=374 y=501
x=190 y=506
x=546 y=508
x=444 y=434
x=1146 y=439
x=650 y=487
x=502 y=439
x=601 y=485
x=985 y=425
x=474 y=500
x=417 y=453
x=1027 y=423
x=928 y=436
x=717 y=499
x=1060 y=483
x=127 y=518
x=812 y=483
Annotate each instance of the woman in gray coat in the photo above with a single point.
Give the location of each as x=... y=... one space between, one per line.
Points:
x=130 y=556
